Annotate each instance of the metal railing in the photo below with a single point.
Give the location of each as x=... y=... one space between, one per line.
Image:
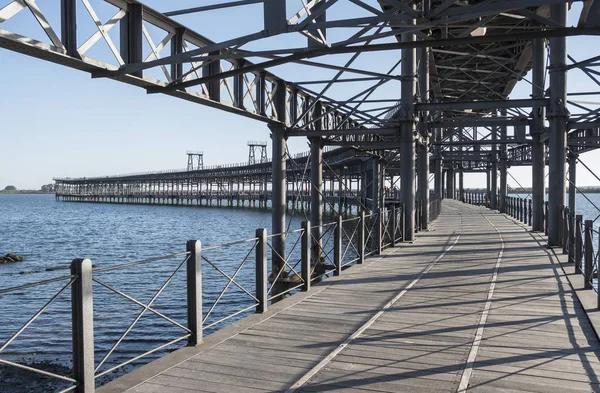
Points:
x=342 y=243
x=576 y=237
x=70 y=383
x=583 y=254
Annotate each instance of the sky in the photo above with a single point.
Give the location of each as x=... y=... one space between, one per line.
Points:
x=58 y=122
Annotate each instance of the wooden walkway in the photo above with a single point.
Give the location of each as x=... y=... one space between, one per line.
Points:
x=478 y=304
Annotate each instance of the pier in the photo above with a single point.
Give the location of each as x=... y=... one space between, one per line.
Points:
x=396 y=278
x=478 y=303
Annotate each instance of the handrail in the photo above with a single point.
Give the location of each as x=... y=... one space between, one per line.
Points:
x=342 y=242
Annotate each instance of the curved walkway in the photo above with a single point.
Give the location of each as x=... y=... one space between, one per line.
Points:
x=477 y=304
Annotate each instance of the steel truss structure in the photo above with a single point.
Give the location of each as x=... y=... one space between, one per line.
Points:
x=441 y=106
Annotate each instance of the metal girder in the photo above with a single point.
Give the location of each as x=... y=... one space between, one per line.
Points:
x=483 y=105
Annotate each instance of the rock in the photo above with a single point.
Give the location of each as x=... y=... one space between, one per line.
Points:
x=10 y=257
x=26 y=272
x=51 y=269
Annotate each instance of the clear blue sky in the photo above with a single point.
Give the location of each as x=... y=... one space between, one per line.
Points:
x=59 y=122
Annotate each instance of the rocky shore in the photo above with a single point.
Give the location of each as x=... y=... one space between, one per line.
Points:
x=10 y=258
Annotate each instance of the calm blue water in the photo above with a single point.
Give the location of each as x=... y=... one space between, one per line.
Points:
x=50 y=234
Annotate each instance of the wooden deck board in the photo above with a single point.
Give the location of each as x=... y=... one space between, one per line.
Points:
x=536 y=337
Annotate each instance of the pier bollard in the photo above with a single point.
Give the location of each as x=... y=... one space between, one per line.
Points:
x=194 y=291
x=304 y=256
x=361 y=238
x=589 y=254
x=393 y=225
x=261 y=270
x=337 y=245
x=578 y=243
x=82 y=320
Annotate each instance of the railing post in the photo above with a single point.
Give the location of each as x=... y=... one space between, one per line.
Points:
x=560 y=227
x=194 y=291
x=530 y=212
x=571 y=237
x=305 y=256
x=525 y=215
x=393 y=225
x=262 y=269
x=546 y=218
x=578 y=243
x=337 y=245
x=589 y=255
x=377 y=230
x=361 y=238
x=82 y=320
x=565 y=234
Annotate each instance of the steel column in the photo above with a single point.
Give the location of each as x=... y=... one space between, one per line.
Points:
x=278 y=200
x=316 y=202
x=558 y=116
x=494 y=170
x=538 y=169
x=503 y=168
x=423 y=150
x=407 y=130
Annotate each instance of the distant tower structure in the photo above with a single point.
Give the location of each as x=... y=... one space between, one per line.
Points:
x=253 y=146
x=197 y=156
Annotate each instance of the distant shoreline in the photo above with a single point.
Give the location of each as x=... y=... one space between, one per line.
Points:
x=23 y=192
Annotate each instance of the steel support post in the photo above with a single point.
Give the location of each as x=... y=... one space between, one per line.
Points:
x=407 y=133
x=316 y=200
x=558 y=116
x=450 y=187
x=278 y=202
x=375 y=196
x=131 y=30
x=423 y=150
x=68 y=24
x=82 y=319
x=538 y=167
x=503 y=192
x=494 y=170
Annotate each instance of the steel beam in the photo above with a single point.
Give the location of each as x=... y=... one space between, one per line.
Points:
x=558 y=116
x=481 y=122
x=538 y=167
x=482 y=105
